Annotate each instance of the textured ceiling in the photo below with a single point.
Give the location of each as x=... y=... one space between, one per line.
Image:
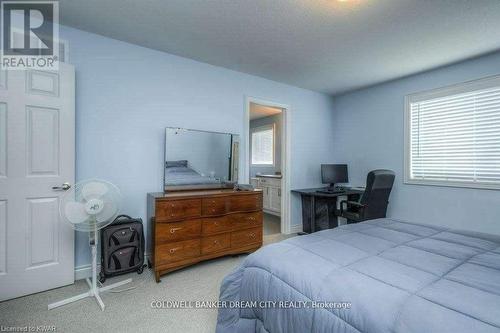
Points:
x=324 y=45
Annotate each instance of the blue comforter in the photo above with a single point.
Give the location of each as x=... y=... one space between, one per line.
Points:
x=377 y=276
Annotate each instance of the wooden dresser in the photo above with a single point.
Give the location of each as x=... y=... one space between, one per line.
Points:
x=191 y=226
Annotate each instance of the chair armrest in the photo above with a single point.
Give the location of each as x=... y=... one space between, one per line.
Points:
x=349 y=203
x=355 y=203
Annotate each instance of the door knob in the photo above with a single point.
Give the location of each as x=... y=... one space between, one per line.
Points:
x=64 y=187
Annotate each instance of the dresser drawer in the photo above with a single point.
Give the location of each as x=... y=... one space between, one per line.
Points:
x=215 y=225
x=174 y=231
x=214 y=206
x=264 y=181
x=244 y=203
x=177 y=209
x=246 y=237
x=177 y=251
x=215 y=243
x=246 y=220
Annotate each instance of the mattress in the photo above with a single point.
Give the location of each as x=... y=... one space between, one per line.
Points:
x=381 y=275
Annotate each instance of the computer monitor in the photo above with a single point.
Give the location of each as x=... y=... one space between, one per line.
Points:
x=334 y=173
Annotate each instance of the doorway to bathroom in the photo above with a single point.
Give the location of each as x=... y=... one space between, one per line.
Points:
x=266 y=166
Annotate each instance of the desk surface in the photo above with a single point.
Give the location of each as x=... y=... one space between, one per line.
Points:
x=314 y=192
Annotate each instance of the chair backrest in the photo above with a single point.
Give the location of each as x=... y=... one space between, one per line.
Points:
x=376 y=196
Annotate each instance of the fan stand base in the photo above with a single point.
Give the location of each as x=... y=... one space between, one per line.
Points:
x=90 y=293
x=94 y=290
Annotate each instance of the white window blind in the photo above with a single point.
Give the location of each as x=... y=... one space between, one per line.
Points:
x=263 y=145
x=453 y=136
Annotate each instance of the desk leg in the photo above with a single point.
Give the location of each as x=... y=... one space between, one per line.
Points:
x=331 y=217
x=313 y=214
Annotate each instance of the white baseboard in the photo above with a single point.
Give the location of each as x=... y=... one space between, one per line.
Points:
x=296 y=228
x=85 y=271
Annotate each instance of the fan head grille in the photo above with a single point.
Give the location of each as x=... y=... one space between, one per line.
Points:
x=90 y=205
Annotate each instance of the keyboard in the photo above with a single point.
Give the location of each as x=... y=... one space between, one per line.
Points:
x=331 y=192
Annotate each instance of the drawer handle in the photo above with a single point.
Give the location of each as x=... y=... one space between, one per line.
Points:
x=172 y=205
x=213 y=201
x=172 y=250
x=216 y=223
x=251 y=218
x=216 y=242
x=252 y=235
x=172 y=230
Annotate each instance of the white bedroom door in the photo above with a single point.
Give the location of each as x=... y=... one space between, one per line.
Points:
x=37 y=152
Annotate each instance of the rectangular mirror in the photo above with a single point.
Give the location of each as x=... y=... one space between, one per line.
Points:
x=200 y=159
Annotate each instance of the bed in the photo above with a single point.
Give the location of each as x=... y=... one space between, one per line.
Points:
x=179 y=173
x=381 y=275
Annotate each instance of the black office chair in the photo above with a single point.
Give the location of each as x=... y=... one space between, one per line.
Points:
x=374 y=201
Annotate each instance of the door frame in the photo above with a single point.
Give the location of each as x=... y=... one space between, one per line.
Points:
x=285 y=155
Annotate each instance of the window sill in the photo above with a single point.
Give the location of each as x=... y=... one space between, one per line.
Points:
x=452 y=184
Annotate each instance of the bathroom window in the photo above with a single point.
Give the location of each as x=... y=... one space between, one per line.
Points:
x=263 y=145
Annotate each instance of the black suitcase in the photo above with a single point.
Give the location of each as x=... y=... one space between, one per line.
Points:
x=122 y=247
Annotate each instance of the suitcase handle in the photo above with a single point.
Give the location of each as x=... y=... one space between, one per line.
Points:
x=122 y=216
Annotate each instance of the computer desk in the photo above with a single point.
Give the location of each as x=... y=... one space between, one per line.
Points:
x=324 y=205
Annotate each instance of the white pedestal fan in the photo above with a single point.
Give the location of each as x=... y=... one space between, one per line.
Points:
x=90 y=206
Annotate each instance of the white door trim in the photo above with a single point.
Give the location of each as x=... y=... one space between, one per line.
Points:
x=285 y=155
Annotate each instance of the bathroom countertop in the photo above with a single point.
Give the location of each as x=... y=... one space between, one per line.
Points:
x=269 y=176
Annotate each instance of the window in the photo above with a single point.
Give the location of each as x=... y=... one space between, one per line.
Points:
x=263 y=145
x=453 y=136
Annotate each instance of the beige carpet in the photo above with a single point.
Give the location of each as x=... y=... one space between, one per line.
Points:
x=130 y=311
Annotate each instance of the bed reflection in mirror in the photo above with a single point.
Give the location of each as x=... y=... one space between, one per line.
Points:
x=197 y=159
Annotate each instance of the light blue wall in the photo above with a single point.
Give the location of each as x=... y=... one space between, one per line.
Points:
x=126 y=95
x=369 y=135
x=276 y=120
